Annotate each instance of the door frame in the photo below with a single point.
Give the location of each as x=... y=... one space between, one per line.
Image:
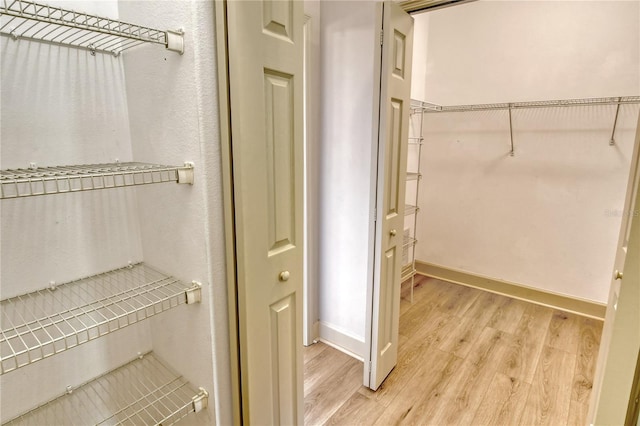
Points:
x=311 y=89
x=224 y=112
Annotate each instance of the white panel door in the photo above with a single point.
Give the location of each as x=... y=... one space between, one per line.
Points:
x=265 y=78
x=611 y=408
x=395 y=101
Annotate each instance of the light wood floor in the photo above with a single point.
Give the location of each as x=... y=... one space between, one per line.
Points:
x=466 y=357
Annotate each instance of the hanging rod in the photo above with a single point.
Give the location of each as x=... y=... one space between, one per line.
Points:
x=20 y=19
x=426 y=107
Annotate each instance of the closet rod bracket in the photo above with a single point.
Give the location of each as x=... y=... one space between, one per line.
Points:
x=185 y=174
x=193 y=294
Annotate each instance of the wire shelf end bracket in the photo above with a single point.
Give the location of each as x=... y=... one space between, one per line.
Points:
x=175 y=41
x=194 y=293
x=200 y=401
x=185 y=174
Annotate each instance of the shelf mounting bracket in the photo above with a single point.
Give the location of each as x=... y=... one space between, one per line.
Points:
x=175 y=41
x=185 y=174
x=612 y=141
x=200 y=401
x=512 y=153
x=194 y=293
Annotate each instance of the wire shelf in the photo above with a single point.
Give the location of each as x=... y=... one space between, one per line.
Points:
x=421 y=106
x=410 y=210
x=43 y=323
x=28 y=20
x=413 y=176
x=408 y=271
x=408 y=242
x=535 y=104
x=142 y=392
x=16 y=183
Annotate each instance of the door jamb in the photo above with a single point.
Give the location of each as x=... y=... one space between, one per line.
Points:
x=222 y=67
x=311 y=299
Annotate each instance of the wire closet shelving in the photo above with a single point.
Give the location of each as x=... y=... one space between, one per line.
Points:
x=142 y=392
x=411 y=210
x=428 y=107
x=17 y=183
x=43 y=323
x=21 y=19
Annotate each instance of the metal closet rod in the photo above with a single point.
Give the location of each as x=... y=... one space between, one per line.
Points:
x=428 y=107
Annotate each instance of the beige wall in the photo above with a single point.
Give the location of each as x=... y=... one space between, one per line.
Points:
x=549 y=217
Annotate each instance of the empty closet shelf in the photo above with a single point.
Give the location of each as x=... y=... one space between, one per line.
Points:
x=413 y=176
x=409 y=209
x=21 y=19
x=408 y=242
x=15 y=183
x=43 y=323
x=407 y=272
x=142 y=392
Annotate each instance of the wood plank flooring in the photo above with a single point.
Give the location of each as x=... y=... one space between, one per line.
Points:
x=466 y=357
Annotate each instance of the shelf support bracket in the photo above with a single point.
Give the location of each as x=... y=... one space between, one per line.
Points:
x=512 y=153
x=193 y=294
x=185 y=174
x=175 y=41
x=200 y=401
x=612 y=141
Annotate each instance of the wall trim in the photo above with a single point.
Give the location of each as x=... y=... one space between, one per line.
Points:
x=342 y=340
x=566 y=303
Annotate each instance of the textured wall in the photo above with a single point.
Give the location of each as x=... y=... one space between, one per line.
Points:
x=174 y=118
x=62 y=106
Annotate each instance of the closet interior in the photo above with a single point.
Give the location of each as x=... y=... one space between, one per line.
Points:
x=104 y=268
x=528 y=135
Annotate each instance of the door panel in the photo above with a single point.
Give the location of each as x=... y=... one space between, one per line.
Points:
x=393 y=151
x=265 y=78
x=392 y=163
x=283 y=355
x=619 y=342
x=280 y=171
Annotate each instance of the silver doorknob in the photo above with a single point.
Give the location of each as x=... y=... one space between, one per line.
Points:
x=284 y=275
x=392 y=232
x=618 y=275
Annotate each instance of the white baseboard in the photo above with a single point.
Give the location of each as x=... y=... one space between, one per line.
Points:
x=566 y=303
x=342 y=340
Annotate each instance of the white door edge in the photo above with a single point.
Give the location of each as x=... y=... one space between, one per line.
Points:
x=376 y=191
